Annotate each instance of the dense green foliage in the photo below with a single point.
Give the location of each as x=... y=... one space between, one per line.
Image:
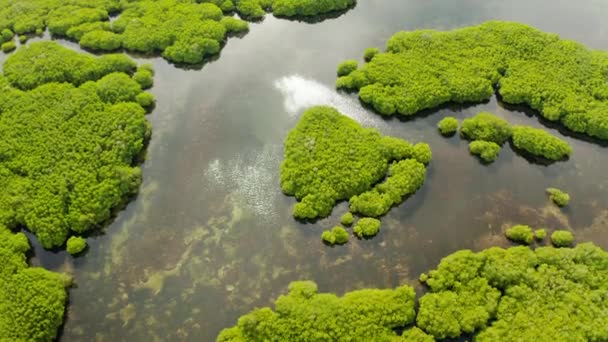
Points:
x=540 y=143
x=558 y=197
x=8 y=46
x=367 y=227
x=75 y=245
x=520 y=233
x=514 y=294
x=486 y=150
x=369 y=53
x=547 y=294
x=448 y=125
x=540 y=234
x=305 y=315
x=487 y=127
x=405 y=177
x=562 y=238
x=67 y=149
x=347 y=219
x=330 y=157
x=47 y=62
x=32 y=299
x=338 y=235
x=183 y=31
x=347 y=67
x=563 y=80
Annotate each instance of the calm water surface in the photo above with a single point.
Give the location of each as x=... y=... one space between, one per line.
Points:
x=211 y=237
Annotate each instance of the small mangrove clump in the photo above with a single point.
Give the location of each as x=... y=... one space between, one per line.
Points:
x=562 y=238
x=367 y=227
x=448 y=125
x=369 y=53
x=540 y=143
x=8 y=46
x=338 y=235
x=346 y=67
x=75 y=245
x=520 y=233
x=487 y=150
x=487 y=127
x=558 y=197
x=347 y=219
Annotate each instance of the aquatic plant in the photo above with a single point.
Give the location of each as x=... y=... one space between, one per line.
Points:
x=32 y=299
x=101 y=40
x=338 y=235
x=347 y=219
x=561 y=79
x=405 y=177
x=346 y=67
x=330 y=157
x=486 y=150
x=367 y=227
x=487 y=127
x=8 y=46
x=514 y=294
x=307 y=8
x=68 y=150
x=448 y=125
x=562 y=238
x=540 y=234
x=540 y=143
x=520 y=233
x=369 y=53
x=76 y=244
x=367 y=314
x=558 y=197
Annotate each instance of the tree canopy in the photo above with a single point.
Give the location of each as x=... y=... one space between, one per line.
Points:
x=514 y=294
x=561 y=79
x=68 y=150
x=540 y=143
x=330 y=157
x=32 y=299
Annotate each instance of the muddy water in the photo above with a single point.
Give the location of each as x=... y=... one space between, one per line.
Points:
x=210 y=236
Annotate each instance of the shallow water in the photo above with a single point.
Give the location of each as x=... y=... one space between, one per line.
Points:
x=211 y=236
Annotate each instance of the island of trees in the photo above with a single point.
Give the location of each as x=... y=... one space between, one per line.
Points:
x=73 y=128
x=185 y=32
x=563 y=80
x=330 y=157
x=514 y=294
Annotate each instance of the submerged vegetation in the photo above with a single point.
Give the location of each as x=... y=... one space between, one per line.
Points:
x=497 y=294
x=561 y=79
x=32 y=299
x=182 y=31
x=558 y=197
x=71 y=135
x=330 y=157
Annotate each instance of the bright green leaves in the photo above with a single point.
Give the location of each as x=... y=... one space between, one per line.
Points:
x=347 y=67
x=330 y=157
x=487 y=127
x=305 y=315
x=423 y=69
x=540 y=143
x=448 y=125
x=68 y=149
x=562 y=238
x=32 y=299
x=338 y=235
x=26 y=69
x=76 y=244
x=486 y=150
x=558 y=197
x=520 y=233
x=367 y=227
x=306 y=8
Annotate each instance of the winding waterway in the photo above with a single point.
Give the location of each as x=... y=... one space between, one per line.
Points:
x=211 y=236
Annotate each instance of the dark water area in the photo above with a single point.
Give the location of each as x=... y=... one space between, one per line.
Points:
x=211 y=236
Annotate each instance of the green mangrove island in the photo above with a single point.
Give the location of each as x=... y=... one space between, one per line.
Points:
x=561 y=79
x=496 y=295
